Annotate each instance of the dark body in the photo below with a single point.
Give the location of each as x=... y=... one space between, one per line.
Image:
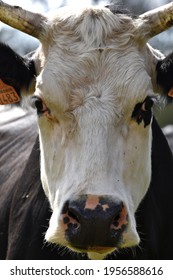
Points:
x=25 y=212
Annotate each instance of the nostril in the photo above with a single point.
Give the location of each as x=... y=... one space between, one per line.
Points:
x=73 y=215
x=65 y=208
x=117 y=213
x=71 y=221
x=116 y=219
x=119 y=221
x=70 y=215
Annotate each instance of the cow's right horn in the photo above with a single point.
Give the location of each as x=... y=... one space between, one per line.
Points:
x=23 y=20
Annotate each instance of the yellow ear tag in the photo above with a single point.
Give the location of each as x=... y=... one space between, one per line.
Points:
x=8 y=95
x=170 y=93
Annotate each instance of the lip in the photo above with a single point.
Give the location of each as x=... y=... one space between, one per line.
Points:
x=99 y=253
x=93 y=249
x=101 y=250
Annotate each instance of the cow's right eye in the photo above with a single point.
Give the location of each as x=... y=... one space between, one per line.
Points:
x=38 y=103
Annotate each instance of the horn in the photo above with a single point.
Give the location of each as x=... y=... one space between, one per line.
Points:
x=155 y=21
x=23 y=20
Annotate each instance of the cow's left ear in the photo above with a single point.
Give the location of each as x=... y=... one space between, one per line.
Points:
x=17 y=73
x=165 y=76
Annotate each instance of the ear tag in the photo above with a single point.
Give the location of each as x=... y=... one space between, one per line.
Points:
x=8 y=95
x=170 y=93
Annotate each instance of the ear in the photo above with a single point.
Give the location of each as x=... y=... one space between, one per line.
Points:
x=164 y=70
x=17 y=73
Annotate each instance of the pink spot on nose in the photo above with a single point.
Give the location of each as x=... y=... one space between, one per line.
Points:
x=91 y=202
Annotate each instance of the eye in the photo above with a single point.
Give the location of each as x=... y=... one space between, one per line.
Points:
x=143 y=111
x=147 y=104
x=38 y=103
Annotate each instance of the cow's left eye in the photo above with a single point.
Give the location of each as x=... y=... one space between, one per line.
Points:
x=143 y=111
x=147 y=104
x=38 y=103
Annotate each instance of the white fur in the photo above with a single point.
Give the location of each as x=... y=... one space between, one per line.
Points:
x=92 y=145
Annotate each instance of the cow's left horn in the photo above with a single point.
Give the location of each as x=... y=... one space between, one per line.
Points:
x=23 y=20
x=155 y=21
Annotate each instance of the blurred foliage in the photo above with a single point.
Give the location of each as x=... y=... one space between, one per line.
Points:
x=164 y=115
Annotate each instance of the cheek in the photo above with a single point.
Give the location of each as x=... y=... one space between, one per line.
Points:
x=137 y=164
x=50 y=151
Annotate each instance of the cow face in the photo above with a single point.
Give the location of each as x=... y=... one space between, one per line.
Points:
x=94 y=94
x=94 y=101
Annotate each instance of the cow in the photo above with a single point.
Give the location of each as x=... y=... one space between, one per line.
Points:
x=105 y=165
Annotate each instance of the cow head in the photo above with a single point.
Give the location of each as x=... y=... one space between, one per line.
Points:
x=94 y=80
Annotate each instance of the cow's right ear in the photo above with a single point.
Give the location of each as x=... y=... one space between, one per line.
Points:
x=17 y=73
x=164 y=71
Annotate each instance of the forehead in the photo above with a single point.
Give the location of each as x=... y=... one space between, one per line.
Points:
x=92 y=53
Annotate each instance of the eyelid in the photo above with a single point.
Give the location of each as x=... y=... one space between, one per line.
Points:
x=43 y=108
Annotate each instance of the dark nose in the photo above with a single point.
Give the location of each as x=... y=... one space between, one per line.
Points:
x=94 y=222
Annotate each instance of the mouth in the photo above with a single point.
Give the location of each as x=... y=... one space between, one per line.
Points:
x=99 y=253
x=93 y=252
